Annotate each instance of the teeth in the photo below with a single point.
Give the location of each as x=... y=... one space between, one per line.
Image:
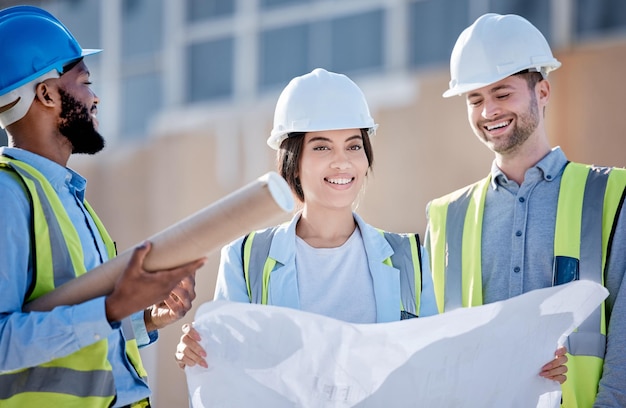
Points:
x=340 y=181
x=498 y=125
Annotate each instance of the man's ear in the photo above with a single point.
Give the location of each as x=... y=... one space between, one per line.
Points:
x=543 y=89
x=43 y=94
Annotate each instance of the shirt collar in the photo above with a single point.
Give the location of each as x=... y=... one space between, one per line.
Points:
x=56 y=174
x=549 y=167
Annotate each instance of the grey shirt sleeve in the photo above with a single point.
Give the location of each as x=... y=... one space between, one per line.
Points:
x=612 y=390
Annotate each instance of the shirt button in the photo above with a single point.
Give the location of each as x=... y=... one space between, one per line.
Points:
x=518 y=233
x=549 y=177
x=96 y=336
x=521 y=199
x=516 y=269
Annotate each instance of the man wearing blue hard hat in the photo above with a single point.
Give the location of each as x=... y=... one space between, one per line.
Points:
x=83 y=355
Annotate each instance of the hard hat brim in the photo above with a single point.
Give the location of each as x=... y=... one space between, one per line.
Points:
x=460 y=90
x=472 y=86
x=90 y=51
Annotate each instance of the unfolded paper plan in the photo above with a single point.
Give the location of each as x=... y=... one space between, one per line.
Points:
x=487 y=356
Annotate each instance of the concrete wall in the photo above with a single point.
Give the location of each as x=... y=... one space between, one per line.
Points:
x=422 y=150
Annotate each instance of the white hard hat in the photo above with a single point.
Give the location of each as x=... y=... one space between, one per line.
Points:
x=319 y=100
x=495 y=47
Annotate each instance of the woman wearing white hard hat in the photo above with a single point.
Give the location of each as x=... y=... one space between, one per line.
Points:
x=327 y=260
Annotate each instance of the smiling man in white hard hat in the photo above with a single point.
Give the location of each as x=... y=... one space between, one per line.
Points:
x=83 y=355
x=537 y=219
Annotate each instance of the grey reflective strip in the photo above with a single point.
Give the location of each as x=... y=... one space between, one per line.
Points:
x=62 y=266
x=455 y=220
x=59 y=380
x=586 y=344
x=127 y=329
x=261 y=242
x=591 y=249
x=402 y=259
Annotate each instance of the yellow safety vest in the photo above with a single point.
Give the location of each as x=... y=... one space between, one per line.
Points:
x=257 y=267
x=581 y=233
x=84 y=378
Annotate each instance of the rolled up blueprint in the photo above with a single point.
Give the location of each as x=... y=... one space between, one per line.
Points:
x=249 y=208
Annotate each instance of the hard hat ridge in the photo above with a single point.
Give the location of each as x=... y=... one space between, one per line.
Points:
x=319 y=100
x=494 y=47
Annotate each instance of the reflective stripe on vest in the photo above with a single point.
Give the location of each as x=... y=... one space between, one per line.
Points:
x=406 y=258
x=254 y=256
x=589 y=202
x=57 y=244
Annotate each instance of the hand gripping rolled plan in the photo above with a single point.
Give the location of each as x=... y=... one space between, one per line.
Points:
x=251 y=207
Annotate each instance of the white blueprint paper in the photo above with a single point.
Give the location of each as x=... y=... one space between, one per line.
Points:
x=487 y=356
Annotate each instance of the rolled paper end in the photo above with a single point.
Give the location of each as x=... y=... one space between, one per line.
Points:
x=280 y=191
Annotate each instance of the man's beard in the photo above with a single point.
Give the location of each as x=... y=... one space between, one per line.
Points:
x=77 y=126
x=526 y=124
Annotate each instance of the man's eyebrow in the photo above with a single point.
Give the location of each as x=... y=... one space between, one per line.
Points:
x=500 y=87
x=491 y=90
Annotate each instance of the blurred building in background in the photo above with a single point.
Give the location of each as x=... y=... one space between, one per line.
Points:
x=188 y=87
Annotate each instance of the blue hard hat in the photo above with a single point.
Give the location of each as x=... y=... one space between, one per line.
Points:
x=33 y=42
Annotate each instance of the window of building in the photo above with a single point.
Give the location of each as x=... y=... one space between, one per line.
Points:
x=356 y=42
x=284 y=54
x=210 y=70
x=141 y=24
x=433 y=30
x=348 y=44
x=198 y=10
x=269 y=4
x=596 y=18
x=538 y=12
x=142 y=98
x=142 y=27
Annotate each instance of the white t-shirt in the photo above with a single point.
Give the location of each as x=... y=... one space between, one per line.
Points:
x=336 y=282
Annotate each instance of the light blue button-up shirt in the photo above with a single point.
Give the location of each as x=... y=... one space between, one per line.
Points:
x=31 y=339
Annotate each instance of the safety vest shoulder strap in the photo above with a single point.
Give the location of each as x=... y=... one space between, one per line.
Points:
x=253 y=256
x=257 y=266
x=590 y=201
x=54 y=240
x=407 y=258
x=455 y=233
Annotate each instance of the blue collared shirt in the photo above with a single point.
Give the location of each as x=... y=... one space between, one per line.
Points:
x=31 y=339
x=510 y=234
